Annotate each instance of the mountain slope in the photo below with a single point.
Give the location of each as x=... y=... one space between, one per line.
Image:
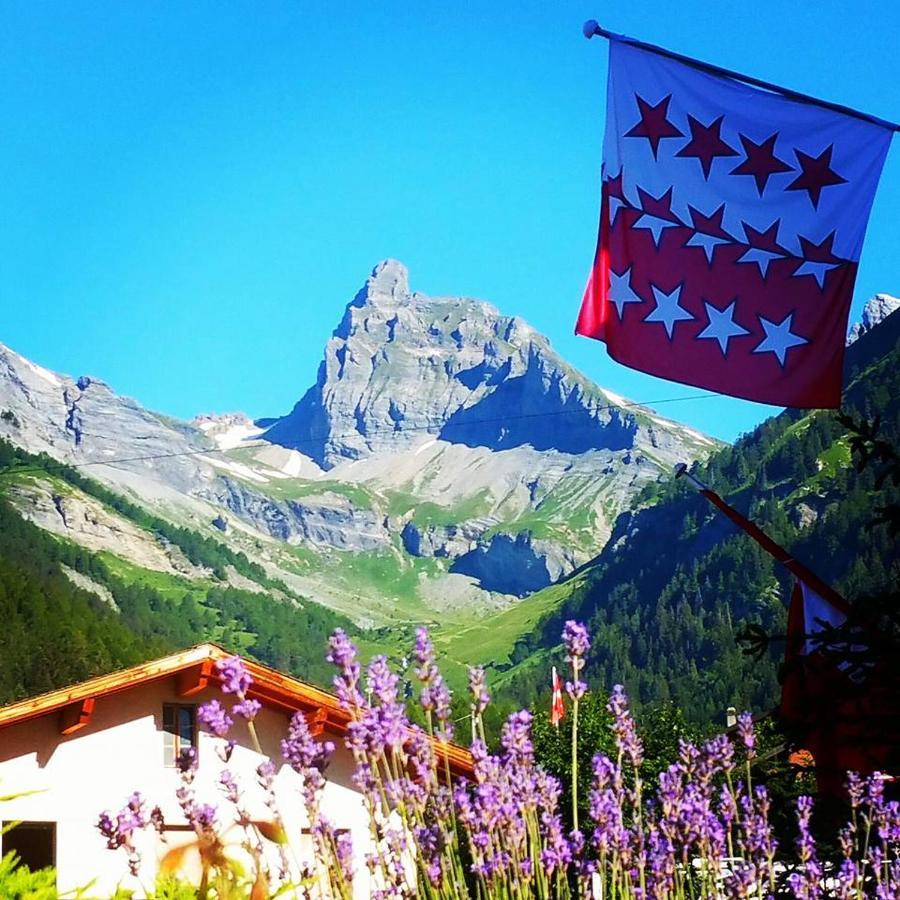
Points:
x=70 y=611
x=446 y=462
x=665 y=623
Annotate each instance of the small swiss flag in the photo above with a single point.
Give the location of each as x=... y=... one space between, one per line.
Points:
x=557 y=707
x=732 y=221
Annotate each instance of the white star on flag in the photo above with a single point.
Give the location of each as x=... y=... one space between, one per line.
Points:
x=620 y=291
x=779 y=337
x=816 y=269
x=668 y=311
x=722 y=326
x=708 y=242
x=761 y=257
x=655 y=225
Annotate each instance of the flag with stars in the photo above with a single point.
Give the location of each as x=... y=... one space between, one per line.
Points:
x=732 y=221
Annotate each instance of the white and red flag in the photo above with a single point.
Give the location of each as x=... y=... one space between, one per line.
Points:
x=732 y=221
x=557 y=707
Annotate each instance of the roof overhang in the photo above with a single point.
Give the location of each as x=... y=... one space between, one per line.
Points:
x=194 y=670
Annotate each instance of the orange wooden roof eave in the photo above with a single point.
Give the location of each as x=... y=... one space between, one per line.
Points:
x=270 y=686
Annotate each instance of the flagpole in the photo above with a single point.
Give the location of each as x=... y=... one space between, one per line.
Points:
x=761 y=538
x=592 y=28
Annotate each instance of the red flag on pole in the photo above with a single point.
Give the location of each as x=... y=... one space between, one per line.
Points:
x=557 y=707
x=731 y=226
x=846 y=715
x=846 y=711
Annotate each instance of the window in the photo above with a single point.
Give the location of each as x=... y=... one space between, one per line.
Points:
x=33 y=842
x=179 y=731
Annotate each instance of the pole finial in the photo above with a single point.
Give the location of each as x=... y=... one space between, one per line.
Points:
x=590 y=28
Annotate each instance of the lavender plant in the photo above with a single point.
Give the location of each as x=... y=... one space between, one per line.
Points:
x=703 y=830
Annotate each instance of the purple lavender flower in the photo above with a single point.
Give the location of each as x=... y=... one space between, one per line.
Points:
x=435 y=695
x=187 y=763
x=423 y=652
x=855 y=789
x=442 y=710
x=515 y=738
x=228 y=785
x=306 y=757
x=576 y=639
x=157 y=820
x=247 y=709
x=215 y=717
x=344 y=852
x=204 y=815
x=386 y=723
x=342 y=654
x=557 y=852
x=265 y=772
x=478 y=690
x=235 y=678
x=746 y=734
x=119 y=831
x=624 y=728
x=806 y=884
x=224 y=751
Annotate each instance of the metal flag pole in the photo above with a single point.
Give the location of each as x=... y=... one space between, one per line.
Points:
x=592 y=28
x=792 y=565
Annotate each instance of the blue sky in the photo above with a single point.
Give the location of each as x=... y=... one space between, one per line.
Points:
x=192 y=191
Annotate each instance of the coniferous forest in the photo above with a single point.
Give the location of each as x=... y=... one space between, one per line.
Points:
x=667 y=600
x=678 y=583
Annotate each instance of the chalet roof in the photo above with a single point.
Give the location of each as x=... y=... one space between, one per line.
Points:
x=194 y=670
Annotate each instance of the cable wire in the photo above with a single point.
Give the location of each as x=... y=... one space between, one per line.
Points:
x=24 y=470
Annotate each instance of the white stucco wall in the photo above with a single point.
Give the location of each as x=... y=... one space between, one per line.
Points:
x=120 y=751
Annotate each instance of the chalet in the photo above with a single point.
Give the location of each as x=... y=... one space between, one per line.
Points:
x=85 y=748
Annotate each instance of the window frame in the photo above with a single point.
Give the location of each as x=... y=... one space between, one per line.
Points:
x=172 y=737
x=15 y=824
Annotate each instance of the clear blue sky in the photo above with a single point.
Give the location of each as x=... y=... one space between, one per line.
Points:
x=192 y=191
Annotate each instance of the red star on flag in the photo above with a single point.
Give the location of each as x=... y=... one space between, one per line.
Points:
x=761 y=161
x=706 y=143
x=817 y=174
x=654 y=125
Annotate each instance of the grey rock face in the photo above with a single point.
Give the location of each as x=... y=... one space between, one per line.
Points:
x=425 y=410
x=84 y=421
x=514 y=564
x=333 y=522
x=441 y=541
x=401 y=364
x=876 y=310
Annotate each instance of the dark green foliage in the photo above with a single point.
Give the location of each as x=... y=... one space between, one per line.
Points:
x=660 y=726
x=56 y=633
x=200 y=550
x=679 y=581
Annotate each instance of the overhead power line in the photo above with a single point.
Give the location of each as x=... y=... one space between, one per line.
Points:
x=24 y=470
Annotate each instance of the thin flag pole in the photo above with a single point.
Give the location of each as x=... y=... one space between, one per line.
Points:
x=792 y=565
x=592 y=28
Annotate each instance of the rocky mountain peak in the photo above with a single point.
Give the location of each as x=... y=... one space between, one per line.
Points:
x=876 y=310
x=389 y=281
x=404 y=365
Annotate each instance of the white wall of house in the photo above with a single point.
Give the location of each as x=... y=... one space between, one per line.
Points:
x=122 y=750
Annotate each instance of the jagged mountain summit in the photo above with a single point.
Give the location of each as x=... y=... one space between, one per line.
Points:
x=876 y=310
x=445 y=460
x=402 y=364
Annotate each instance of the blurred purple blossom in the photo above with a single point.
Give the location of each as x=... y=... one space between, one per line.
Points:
x=247 y=709
x=235 y=678
x=215 y=717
